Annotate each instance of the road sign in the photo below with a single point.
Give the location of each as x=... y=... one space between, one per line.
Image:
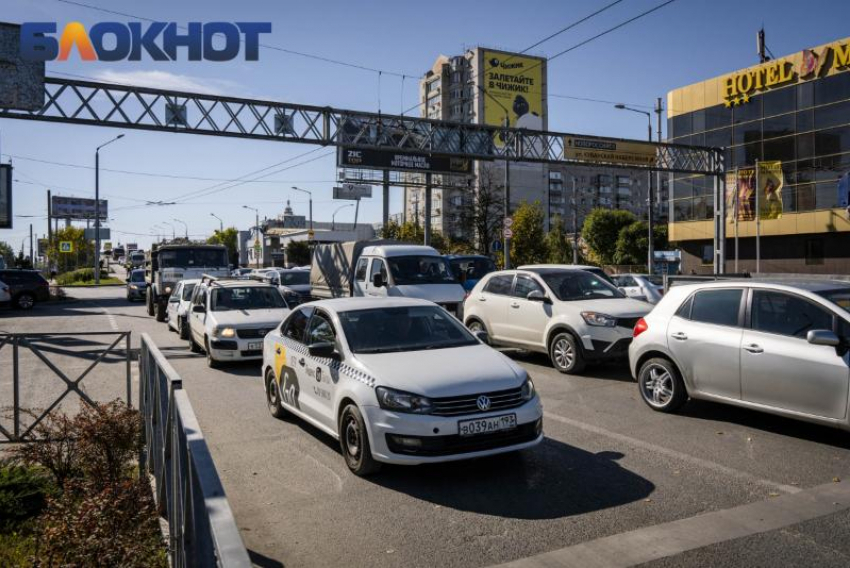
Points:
x=352 y=191
x=311 y=234
x=496 y=246
x=508 y=233
x=609 y=151
x=66 y=246
x=91 y=235
x=509 y=222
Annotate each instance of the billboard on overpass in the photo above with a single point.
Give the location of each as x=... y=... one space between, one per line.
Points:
x=5 y=196
x=514 y=90
x=76 y=207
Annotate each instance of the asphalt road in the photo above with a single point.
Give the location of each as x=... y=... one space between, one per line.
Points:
x=609 y=465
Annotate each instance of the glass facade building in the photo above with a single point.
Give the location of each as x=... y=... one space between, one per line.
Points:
x=794 y=110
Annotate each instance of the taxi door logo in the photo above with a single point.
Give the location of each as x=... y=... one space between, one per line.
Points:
x=160 y=41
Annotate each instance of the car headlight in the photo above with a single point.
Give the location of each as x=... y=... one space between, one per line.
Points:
x=133 y=287
x=599 y=320
x=399 y=401
x=168 y=289
x=527 y=392
x=225 y=332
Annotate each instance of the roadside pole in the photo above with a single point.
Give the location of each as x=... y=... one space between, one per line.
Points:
x=427 y=231
x=507 y=206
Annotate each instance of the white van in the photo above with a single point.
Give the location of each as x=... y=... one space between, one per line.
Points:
x=385 y=270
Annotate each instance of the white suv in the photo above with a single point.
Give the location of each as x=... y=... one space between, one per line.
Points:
x=572 y=315
x=228 y=318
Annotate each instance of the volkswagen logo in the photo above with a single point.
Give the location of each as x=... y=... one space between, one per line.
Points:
x=483 y=403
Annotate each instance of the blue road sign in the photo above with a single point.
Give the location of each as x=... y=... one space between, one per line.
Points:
x=496 y=246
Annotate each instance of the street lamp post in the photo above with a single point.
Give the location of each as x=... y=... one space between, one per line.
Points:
x=173 y=234
x=649 y=200
x=257 y=237
x=338 y=209
x=310 y=194
x=97 y=208
x=185 y=228
x=220 y=223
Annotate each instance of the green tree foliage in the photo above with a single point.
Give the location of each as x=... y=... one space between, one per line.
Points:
x=632 y=242
x=83 y=255
x=528 y=245
x=228 y=237
x=7 y=253
x=558 y=245
x=415 y=234
x=298 y=253
x=601 y=230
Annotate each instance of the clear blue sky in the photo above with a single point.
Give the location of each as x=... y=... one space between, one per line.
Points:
x=685 y=42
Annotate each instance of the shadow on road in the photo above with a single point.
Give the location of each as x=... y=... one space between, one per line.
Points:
x=263 y=561
x=608 y=370
x=551 y=481
x=706 y=410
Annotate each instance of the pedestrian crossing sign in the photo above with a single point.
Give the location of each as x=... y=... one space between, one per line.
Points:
x=66 y=246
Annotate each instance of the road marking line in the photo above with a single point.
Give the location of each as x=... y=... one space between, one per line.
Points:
x=672 y=453
x=669 y=539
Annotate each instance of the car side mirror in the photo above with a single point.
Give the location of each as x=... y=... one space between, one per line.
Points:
x=823 y=337
x=482 y=336
x=538 y=296
x=173 y=300
x=199 y=309
x=126 y=280
x=322 y=349
x=378 y=280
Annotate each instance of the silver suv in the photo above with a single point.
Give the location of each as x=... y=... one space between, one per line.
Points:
x=779 y=347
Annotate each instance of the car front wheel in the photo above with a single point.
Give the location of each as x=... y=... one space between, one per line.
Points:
x=183 y=328
x=354 y=442
x=565 y=354
x=212 y=363
x=661 y=385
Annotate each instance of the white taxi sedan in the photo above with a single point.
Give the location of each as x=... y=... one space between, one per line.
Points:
x=398 y=380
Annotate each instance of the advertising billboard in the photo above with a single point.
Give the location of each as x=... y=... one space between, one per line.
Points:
x=352 y=191
x=514 y=86
x=390 y=160
x=76 y=207
x=608 y=151
x=21 y=81
x=5 y=196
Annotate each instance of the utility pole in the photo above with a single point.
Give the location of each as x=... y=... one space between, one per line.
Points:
x=649 y=201
x=310 y=195
x=386 y=216
x=97 y=208
x=49 y=233
x=32 y=253
x=220 y=223
x=257 y=243
x=427 y=232
x=575 y=222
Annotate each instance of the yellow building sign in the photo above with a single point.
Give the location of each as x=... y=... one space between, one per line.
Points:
x=606 y=151
x=513 y=87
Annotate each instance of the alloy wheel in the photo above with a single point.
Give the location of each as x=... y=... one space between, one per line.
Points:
x=657 y=386
x=563 y=353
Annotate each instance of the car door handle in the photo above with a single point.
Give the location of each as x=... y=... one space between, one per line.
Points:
x=482 y=299
x=679 y=335
x=301 y=361
x=514 y=305
x=753 y=348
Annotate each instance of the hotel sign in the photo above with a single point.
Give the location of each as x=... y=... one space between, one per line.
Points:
x=738 y=88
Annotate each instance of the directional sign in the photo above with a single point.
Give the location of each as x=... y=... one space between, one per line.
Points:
x=509 y=222
x=352 y=191
x=508 y=233
x=66 y=246
x=609 y=151
x=91 y=234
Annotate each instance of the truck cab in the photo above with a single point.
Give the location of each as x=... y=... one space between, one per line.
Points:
x=167 y=265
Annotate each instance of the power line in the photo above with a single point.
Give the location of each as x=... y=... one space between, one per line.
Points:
x=592 y=100
x=265 y=45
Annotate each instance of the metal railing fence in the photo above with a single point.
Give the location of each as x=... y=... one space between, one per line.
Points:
x=188 y=491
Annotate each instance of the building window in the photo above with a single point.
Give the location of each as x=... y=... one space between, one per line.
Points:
x=708 y=254
x=814 y=251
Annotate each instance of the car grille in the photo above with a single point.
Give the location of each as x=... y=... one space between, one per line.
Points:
x=451 y=445
x=629 y=323
x=460 y=405
x=252 y=333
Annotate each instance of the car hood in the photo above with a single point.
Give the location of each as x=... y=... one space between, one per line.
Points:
x=251 y=318
x=437 y=293
x=443 y=372
x=617 y=307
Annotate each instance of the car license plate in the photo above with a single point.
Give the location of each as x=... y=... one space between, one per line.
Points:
x=255 y=346
x=486 y=425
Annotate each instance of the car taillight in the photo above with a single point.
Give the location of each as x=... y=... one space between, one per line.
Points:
x=640 y=327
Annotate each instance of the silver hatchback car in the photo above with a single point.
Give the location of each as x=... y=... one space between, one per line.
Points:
x=776 y=346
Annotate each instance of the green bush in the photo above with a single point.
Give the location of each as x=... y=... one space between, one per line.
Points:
x=23 y=493
x=79 y=275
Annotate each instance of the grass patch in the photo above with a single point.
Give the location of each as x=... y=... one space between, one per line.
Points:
x=103 y=281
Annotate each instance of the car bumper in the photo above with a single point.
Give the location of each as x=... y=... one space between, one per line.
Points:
x=236 y=349
x=437 y=437
x=136 y=294
x=602 y=343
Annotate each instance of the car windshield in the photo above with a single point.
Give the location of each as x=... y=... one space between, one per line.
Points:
x=570 y=285
x=137 y=276
x=416 y=328
x=474 y=268
x=294 y=278
x=246 y=298
x=184 y=257
x=840 y=297
x=187 y=291
x=420 y=270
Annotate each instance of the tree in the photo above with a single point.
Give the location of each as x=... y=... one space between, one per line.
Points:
x=482 y=211
x=390 y=231
x=6 y=253
x=600 y=232
x=83 y=250
x=229 y=237
x=298 y=253
x=632 y=242
x=528 y=245
x=558 y=245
